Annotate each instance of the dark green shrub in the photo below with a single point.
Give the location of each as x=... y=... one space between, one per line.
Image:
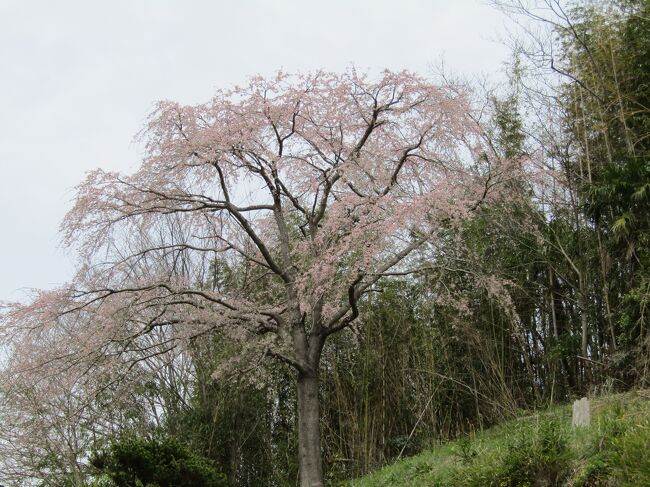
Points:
x=132 y=461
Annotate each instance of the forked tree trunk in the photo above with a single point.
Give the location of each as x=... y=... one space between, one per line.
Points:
x=309 y=449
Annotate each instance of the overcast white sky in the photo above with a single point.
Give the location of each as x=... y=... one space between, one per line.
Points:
x=78 y=78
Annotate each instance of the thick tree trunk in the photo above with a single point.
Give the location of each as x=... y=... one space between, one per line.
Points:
x=309 y=448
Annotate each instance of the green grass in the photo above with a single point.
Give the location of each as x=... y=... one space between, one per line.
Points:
x=538 y=450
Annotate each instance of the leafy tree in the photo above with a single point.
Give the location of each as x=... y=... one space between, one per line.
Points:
x=318 y=187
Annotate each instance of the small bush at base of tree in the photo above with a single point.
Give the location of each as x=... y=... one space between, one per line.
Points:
x=132 y=461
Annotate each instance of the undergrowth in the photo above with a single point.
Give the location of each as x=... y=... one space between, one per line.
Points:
x=541 y=450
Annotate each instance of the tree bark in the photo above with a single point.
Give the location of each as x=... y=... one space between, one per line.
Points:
x=309 y=447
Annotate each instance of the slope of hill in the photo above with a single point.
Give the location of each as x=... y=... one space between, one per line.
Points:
x=539 y=450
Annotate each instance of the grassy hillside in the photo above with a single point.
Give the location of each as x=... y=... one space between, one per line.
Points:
x=539 y=450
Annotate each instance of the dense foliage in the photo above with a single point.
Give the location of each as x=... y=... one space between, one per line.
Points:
x=131 y=461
